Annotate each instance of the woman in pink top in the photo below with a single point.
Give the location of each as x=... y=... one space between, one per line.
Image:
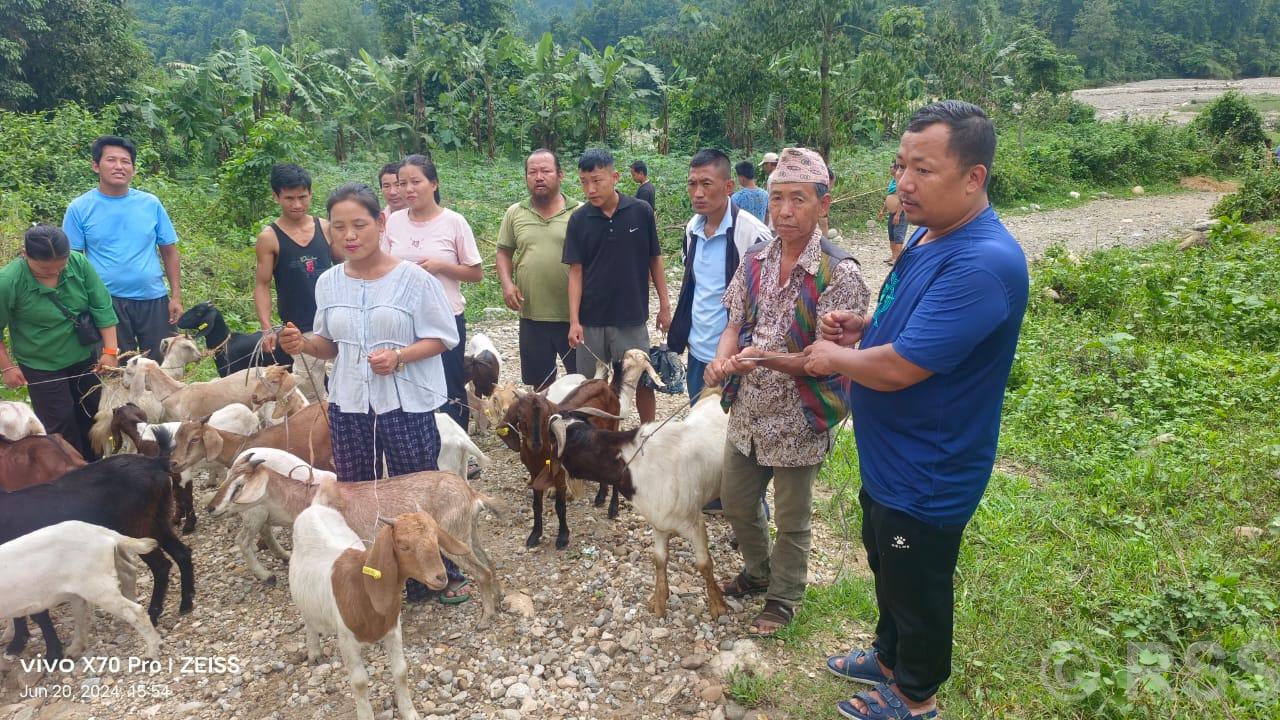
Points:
x=440 y=241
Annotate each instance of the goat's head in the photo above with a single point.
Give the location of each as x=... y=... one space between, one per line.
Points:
x=274 y=383
x=635 y=362
x=195 y=441
x=481 y=370
x=135 y=373
x=179 y=351
x=124 y=421
x=408 y=547
x=246 y=484
x=525 y=422
x=200 y=318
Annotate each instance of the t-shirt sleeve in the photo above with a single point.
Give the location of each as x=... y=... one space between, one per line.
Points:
x=324 y=298
x=433 y=317
x=735 y=296
x=71 y=226
x=958 y=311
x=165 y=234
x=573 y=250
x=507 y=230
x=655 y=249
x=464 y=244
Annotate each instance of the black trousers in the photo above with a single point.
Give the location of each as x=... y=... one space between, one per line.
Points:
x=66 y=404
x=541 y=342
x=454 y=378
x=913 y=563
x=142 y=324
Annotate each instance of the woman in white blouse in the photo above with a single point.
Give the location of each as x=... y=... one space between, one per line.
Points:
x=385 y=323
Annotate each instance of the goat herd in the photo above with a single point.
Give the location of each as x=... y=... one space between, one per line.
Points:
x=71 y=531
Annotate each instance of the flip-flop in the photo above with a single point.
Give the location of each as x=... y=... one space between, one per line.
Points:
x=740 y=586
x=774 y=613
x=889 y=707
x=459 y=597
x=860 y=666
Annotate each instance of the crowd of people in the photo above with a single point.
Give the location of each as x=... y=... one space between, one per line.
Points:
x=769 y=311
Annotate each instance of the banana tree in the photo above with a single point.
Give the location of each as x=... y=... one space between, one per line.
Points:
x=604 y=76
x=547 y=84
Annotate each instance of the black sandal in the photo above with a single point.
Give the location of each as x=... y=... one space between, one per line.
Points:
x=740 y=586
x=774 y=613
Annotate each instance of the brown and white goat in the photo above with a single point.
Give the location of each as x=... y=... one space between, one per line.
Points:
x=305 y=434
x=126 y=421
x=343 y=589
x=525 y=430
x=35 y=460
x=271 y=487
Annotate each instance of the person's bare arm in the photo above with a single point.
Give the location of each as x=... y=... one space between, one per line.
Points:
x=13 y=377
x=575 y=301
x=781 y=362
x=173 y=271
x=294 y=342
x=461 y=273
x=878 y=368
x=265 y=251
x=506 y=267
x=659 y=277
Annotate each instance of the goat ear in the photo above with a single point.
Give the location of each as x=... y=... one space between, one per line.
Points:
x=384 y=591
x=115 y=439
x=558 y=431
x=212 y=443
x=450 y=544
x=254 y=487
x=653 y=375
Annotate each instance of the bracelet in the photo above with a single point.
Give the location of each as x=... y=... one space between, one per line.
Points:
x=111 y=351
x=11 y=367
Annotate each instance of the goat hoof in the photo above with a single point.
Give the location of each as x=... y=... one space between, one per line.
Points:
x=613 y=513
x=186 y=607
x=562 y=542
x=533 y=541
x=270 y=581
x=188 y=527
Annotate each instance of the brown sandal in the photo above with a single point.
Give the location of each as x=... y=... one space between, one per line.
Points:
x=740 y=586
x=775 y=615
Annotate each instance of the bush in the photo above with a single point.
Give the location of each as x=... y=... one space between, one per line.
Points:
x=246 y=176
x=1259 y=195
x=1233 y=128
x=44 y=159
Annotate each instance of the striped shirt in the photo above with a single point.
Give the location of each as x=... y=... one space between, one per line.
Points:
x=394 y=311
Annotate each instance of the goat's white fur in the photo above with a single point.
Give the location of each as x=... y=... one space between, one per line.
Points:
x=79 y=563
x=18 y=420
x=236 y=418
x=179 y=351
x=456 y=447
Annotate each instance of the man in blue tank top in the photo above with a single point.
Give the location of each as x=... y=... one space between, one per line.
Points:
x=929 y=380
x=293 y=251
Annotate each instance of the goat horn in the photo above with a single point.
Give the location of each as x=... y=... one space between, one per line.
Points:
x=387 y=520
x=595 y=412
x=255 y=462
x=653 y=374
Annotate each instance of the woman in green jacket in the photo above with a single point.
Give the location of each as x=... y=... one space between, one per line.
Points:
x=42 y=294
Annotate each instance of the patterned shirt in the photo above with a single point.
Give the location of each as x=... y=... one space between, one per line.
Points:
x=767 y=415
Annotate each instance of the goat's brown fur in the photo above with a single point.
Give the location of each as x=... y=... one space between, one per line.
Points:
x=35 y=460
x=305 y=434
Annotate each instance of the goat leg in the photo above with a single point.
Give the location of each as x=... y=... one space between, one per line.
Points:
x=702 y=560
x=181 y=554
x=252 y=523
x=562 y=537
x=601 y=495
x=350 y=648
x=658 y=601
x=535 y=537
x=185 y=502
x=267 y=536
x=394 y=643
x=613 y=502
x=52 y=645
x=313 y=642
x=20 y=636
x=80 y=617
x=159 y=565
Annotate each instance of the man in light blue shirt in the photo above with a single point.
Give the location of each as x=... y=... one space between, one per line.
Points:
x=119 y=229
x=750 y=197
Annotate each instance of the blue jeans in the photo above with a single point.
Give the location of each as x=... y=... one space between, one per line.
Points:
x=693 y=377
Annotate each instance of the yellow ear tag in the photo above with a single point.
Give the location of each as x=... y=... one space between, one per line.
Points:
x=202 y=326
x=546 y=462
x=374 y=573
x=502 y=431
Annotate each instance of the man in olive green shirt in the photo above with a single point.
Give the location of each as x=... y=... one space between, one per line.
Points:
x=531 y=243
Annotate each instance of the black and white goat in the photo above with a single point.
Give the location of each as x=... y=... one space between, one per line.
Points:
x=232 y=351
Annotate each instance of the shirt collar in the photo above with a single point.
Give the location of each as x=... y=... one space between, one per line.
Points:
x=809 y=258
x=569 y=206
x=700 y=224
x=624 y=201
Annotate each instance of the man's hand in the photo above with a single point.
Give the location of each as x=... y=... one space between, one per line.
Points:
x=291 y=340
x=512 y=296
x=842 y=327
x=575 y=334
x=175 y=309
x=741 y=363
x=268 y=340
x=106 y=363
x=664 y=319
x=820 y=358
x=383 y=361
x=13 y=377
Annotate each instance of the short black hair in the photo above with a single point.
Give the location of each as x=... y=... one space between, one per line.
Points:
x=391 y=168
x=746 y=169
x=973 y=136
x=711 y=156
x=107 y=141
x=428 y=168
x=357 y=191
x=594 y=159
x=46 y=242
x=640 y=167
x=543 y=151
x=288 y=175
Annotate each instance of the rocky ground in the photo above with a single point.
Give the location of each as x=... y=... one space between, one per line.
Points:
x=574 y=638
x=1180 y=99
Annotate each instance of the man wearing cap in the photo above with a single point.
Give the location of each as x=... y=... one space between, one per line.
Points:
x=782 y=419
x=767 y=165
x=928 y=381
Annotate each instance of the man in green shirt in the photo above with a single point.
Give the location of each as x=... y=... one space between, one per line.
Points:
x=535 y=283
x=41 y=294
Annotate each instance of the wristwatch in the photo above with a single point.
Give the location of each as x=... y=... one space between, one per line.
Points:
x=399 y=359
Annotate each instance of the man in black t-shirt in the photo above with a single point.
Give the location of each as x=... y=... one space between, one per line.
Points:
x=645 y=190
x=611 y=248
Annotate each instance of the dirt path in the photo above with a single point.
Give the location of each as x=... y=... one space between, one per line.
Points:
x=586 y=647
x=1181 y=99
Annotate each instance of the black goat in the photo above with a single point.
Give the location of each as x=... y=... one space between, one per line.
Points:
x=130 y=494
x=233 y=352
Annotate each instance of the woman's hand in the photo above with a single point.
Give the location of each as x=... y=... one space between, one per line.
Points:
x=384 y=361
x=13 y=377
x=291 y=340
x=431 y=266
x=106 y=363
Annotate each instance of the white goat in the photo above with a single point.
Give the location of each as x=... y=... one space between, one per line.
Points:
x=186 y=402
x=77 y=562
x=456 y=447
x=179 y=351
x=274 y=412
x=342 y=589
x=557 y=391
x=271 y=487
x=18 y=420
x=668 y=472
x=309 y=374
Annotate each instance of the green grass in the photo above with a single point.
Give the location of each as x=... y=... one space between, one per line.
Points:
x=1141 y=426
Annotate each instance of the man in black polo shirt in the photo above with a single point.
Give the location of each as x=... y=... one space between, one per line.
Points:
x=611 y=248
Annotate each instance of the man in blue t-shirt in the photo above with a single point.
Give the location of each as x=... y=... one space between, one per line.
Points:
x=750 y=197
x=119 y=228
x=929 y=380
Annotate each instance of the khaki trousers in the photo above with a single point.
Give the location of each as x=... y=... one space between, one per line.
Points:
x=783 y=564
